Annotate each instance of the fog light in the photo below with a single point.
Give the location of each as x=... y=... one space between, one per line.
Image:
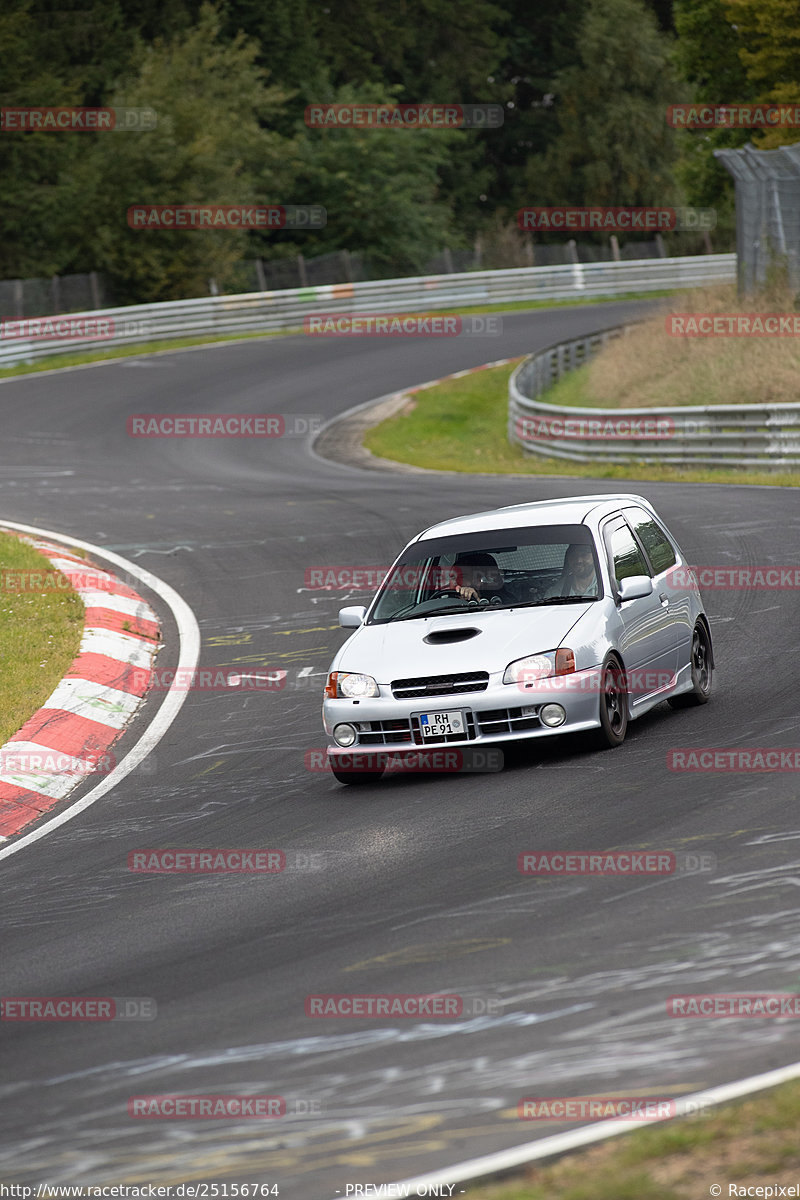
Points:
x=551 y=715
x=345 y=735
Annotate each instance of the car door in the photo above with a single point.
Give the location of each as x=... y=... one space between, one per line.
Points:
x=646 y=634
x=663 y=558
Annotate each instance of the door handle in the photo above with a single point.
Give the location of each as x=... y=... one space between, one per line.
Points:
x=664 y=598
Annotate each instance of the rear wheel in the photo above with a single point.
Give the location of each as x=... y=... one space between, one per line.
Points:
x=613 y=706
x=702 y=671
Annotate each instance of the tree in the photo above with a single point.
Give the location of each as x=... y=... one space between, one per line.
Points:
x=707 y=55
x=380 y=187
x=769 y=49
x=613 y=145
x=209 y=147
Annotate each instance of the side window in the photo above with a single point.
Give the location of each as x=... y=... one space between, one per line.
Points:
x=626 y=555
x=655 y=541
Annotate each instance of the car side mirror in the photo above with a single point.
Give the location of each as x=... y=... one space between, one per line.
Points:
x=352 y=616
x=635 y=587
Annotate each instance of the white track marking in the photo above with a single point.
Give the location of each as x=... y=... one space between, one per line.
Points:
x=574 y=1139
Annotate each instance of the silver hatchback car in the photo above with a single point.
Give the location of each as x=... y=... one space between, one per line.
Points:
x=522 y=622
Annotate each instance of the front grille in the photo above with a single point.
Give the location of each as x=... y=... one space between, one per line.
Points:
x=506 y=720
x=440 y=685
x=381 y=733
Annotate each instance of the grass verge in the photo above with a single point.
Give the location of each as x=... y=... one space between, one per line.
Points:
x=460 y=425
x=749 y=1143
x=40 y=632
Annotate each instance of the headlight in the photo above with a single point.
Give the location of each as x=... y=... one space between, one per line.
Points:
x=350 y=686
x=526 y=671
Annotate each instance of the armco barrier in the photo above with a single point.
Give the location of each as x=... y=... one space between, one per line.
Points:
x=737 y=435
x=262 y=312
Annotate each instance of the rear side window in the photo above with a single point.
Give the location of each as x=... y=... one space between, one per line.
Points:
x=655 y=541
x=626 y=555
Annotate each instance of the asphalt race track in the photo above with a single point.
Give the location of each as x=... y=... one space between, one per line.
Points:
x=416 y=888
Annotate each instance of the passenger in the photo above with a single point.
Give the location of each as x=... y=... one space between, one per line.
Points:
x=578 y=577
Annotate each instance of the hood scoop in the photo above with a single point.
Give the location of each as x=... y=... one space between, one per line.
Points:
x=446 y=637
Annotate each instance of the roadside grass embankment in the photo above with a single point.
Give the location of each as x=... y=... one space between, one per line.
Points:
x=40 y=632
x=749 y=1143
x=461 y=424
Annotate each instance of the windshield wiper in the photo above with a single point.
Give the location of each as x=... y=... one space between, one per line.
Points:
x=559 y=600
x=431 y=612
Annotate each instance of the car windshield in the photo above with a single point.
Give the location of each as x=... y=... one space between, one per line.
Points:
x=477 y=572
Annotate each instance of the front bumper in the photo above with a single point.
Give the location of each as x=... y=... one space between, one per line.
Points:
x=501 y=712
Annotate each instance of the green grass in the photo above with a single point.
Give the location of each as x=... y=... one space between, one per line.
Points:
x=750 y=1142
x=55 y=361
x=40 y=632
x=81 y=358
x=460 y=425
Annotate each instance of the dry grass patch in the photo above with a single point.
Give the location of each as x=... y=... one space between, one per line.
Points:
x=649 y=368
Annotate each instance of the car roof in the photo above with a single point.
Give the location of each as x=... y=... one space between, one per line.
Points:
x=571 y=510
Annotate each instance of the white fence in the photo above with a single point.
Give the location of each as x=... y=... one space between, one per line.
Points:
x=720 y=435
x=262 y=312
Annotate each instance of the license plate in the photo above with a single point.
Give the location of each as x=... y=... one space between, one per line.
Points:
x=439 y=724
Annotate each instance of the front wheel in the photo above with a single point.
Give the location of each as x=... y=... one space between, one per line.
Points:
x=613 y=706
x=702 y=671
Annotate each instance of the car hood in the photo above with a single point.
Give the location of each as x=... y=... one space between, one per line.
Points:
x=398 y=650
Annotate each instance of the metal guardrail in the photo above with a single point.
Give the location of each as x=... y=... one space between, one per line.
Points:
x=263 y=312
x=736 y=435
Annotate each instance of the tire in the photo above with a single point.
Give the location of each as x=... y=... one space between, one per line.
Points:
x=613 y=707
x=702 y=671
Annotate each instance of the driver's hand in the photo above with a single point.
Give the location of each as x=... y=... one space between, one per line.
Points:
x=468 y=593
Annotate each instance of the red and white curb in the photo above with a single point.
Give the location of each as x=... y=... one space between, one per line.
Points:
x=69 y=738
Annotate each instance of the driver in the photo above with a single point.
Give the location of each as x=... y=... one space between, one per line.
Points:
x=481 y=578
x=578 y=576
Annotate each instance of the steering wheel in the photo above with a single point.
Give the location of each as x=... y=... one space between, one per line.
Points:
x=447 y=592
